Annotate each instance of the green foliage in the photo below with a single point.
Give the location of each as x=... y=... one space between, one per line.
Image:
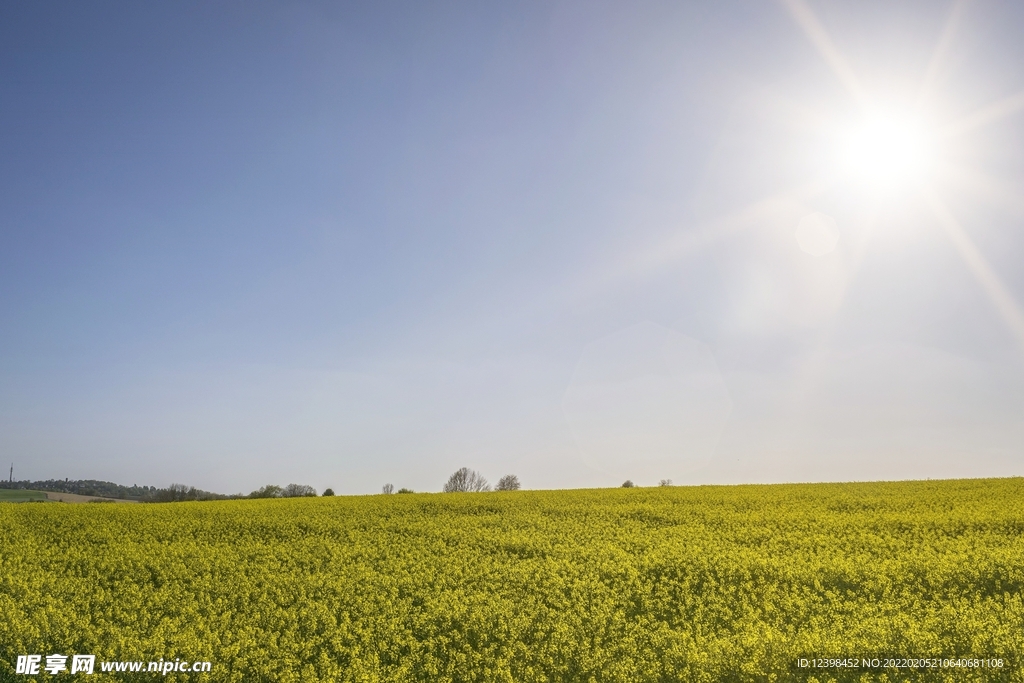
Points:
x=697 y=584
x=328 y=492
x=268 y=491
x=289 y=491
x=405 y=490
x=628 y=484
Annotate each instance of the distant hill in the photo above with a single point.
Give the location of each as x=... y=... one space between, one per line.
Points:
x=107 y=489
x=84 y=487
x=144 y=494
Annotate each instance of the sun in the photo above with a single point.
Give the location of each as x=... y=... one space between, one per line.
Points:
x=896 y=152
x=887 y=151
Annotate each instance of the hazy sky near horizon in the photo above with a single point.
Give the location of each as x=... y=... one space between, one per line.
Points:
x=344 y=245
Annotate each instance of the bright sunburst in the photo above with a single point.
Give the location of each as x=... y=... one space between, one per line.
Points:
x=894 y=151
x=887 y=151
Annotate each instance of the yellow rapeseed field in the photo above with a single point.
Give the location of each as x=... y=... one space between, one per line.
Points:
x=724 y=583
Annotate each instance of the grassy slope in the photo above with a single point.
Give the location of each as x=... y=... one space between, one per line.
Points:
x=688 y=583
x=78 y=498
x=18 y=495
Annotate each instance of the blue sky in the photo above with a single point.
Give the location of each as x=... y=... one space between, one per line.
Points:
x=347 y=245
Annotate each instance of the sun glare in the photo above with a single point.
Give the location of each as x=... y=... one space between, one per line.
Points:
x=888 y=152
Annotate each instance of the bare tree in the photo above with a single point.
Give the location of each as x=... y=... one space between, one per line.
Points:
x=665 y=482
x=176 y=493
x=509 y=482
x=298 y=491
x=628 y=484
x=465 y=479
x=387 y=488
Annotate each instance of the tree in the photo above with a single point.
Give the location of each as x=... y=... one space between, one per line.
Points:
x=665 y=482
x=628 y=484
x=388 y=488
x=465 y=479
x=328 y=492
x=509 y=482
x=298 y=491
x=268 y=491
x=405 y=490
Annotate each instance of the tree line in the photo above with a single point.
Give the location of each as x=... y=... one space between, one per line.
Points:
x=463 y=480
x=180 y=493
